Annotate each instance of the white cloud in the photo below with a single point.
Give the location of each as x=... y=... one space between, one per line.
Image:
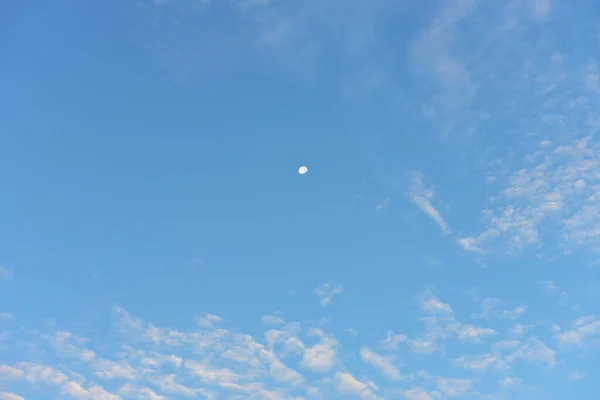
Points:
x=514 y=313
x=549 y=286
x=109 y=370
x=321 y=357
x=582 y=329
x=66 y=343
x=480 y=362
x=576 y=376
x=536 y=196
x=392 y=341
x=416 y=394
x=520 y=330
x=167 y=384
x=433 y=305
x=10 y=396
x=383 y=364
x=534 y=351
x=454 y=387
x=422 y=197
x=347 y=384
x=326 y=292
x=272 y=320
x=37 y=373
x=8 y=373
x=474 y=334
x=511 y=383
x=143 y=393
x=93 y=392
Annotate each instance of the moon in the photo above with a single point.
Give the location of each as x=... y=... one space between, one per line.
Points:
x=302 y=170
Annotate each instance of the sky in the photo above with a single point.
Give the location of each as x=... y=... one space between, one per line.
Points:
x=157 y=241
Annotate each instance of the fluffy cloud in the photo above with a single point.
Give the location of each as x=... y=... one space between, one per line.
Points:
x=321 y=357
x=347 y=384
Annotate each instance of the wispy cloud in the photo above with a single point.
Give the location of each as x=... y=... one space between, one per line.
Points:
x=383 y=204
x=10 y=396
x=582 y=329
x=327 y=291
x=5 y=273
x=383 y=364
x=421 y=197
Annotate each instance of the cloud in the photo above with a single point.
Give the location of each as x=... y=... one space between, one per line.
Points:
x=416 y=394
x=143 y=393
x=93 y=392
x=382 y=364
x=549 y=286
x=392 y=341
x=454 y=387
x=321 y=357
x=511 y=382
x=514 y=313
x=347 y=384
x=289 y=362
x=534 y=351
x=36 y=373
x=541 y=8
x=422 y=197
x=470 y=333
x=271 y=320
x=8 y=373
x=432 y=305
x=576 y=376
x=326 y=292
x=109 y=370
x=535 y=197
x=10 y=396
x=5 y=273
x=66 y=343
x=383 y=204
x=480 y=362
x=582 y=329
x=520 y=330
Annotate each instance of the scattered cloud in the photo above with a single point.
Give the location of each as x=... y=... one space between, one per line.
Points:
x=576 y=376
x=549 y=286
x=326 y=292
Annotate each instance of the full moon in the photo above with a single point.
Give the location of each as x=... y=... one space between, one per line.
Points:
x=302 y=170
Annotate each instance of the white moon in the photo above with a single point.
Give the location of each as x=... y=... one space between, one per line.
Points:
x=302 y=170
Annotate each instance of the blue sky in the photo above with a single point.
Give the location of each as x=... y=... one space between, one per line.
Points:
x=157 y=241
